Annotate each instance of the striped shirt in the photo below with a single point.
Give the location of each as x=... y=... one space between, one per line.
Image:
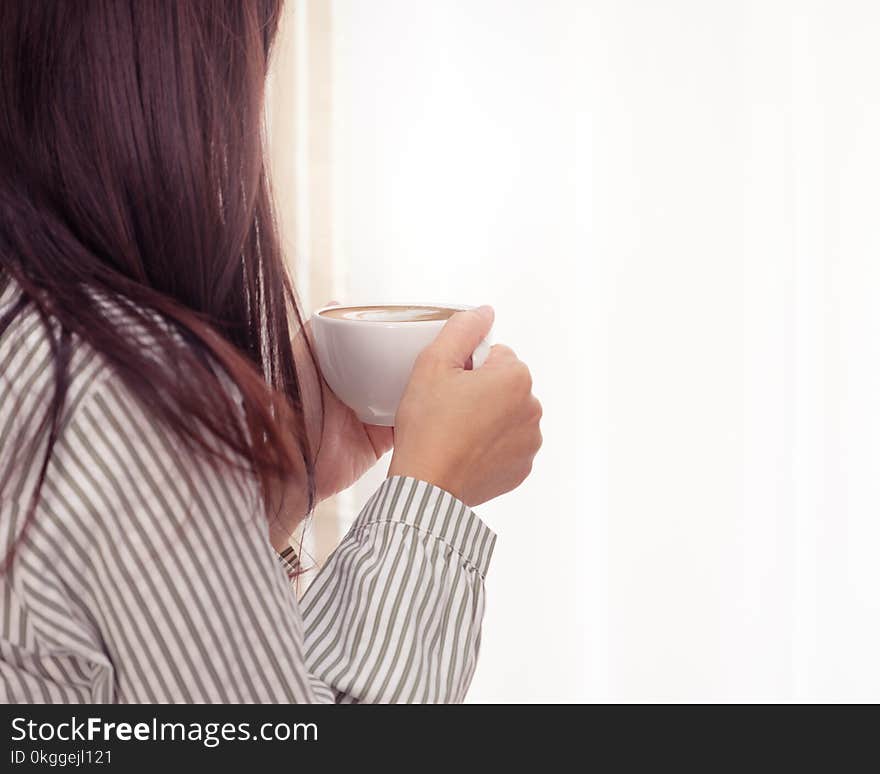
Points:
x=147 y=576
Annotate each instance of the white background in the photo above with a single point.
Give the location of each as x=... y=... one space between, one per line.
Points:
x=673 y=207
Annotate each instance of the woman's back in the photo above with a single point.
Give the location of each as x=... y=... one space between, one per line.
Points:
x=129 y=533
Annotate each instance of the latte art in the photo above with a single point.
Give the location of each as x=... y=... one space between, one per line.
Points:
x=384 y=314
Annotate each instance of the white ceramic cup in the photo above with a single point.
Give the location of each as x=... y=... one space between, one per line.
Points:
x=367 y=363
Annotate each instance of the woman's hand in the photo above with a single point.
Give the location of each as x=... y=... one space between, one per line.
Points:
x=347 y=448
x=472 y=433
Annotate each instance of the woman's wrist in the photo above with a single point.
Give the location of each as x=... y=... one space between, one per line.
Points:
x=280 y=539
x=287 y=506
x=428 y=471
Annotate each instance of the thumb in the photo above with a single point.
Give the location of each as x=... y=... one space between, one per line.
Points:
x=462 y=333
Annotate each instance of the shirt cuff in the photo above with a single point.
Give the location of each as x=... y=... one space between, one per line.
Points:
x=430 y=509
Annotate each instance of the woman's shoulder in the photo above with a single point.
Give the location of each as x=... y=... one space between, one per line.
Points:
x=106 y=439
x=31 y=383
x=37 y=356
x=31 y=348
x=41 y=364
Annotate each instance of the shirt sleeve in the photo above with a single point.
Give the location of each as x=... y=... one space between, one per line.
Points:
x=395 y=614
x=148 y=577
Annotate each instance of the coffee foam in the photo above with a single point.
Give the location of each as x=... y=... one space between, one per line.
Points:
x=390 y=313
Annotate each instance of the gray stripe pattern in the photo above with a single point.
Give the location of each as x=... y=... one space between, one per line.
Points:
x=147 y=576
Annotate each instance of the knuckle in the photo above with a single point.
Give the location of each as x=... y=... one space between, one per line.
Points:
x=501 y=351
x=538 y=410
x=524 y=376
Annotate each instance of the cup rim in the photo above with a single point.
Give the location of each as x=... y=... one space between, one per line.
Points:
x=387 y=323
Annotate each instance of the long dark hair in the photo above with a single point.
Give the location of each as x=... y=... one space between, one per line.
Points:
x=132 y=168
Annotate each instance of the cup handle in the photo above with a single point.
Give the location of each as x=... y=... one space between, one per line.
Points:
x=481 y=353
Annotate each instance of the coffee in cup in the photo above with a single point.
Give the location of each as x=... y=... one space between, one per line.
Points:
x=391 y=313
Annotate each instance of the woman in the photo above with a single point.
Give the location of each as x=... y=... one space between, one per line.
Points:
x=159 y=442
